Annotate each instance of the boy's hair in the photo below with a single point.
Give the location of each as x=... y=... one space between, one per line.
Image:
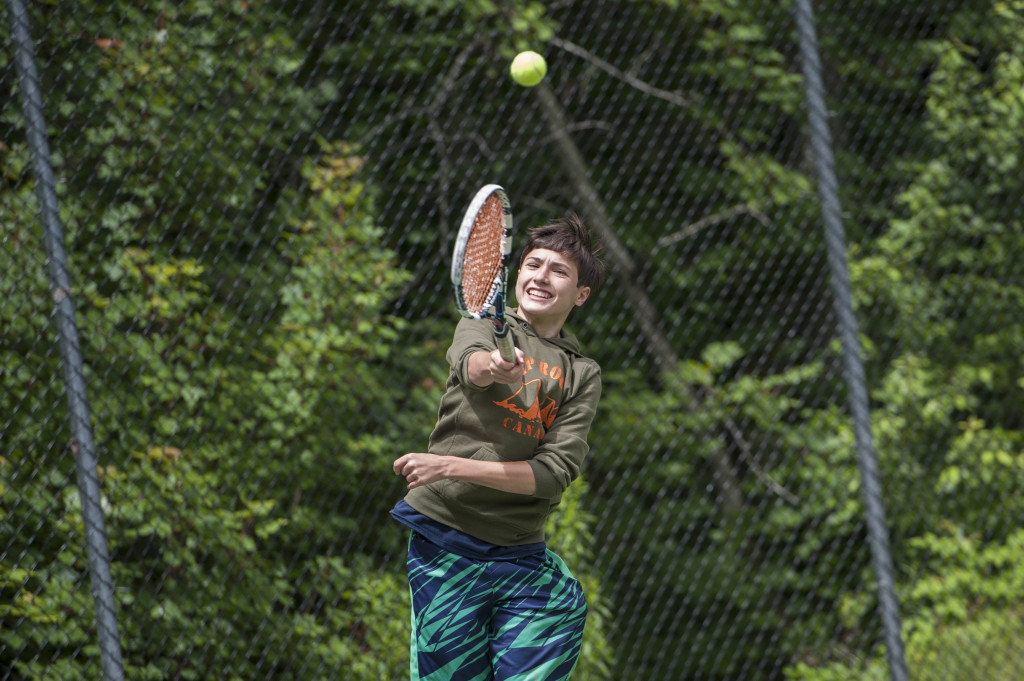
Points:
x=570 y=237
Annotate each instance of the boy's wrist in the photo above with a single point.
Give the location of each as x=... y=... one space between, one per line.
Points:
x=480 y=369
x=448 y=465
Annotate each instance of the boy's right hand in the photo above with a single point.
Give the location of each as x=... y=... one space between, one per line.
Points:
x=486 y=368
x=506 y=372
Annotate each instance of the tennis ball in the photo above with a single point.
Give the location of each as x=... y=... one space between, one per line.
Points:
x=528 y=68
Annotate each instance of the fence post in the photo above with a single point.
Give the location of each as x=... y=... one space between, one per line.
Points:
x=71 y=356
x=828 y=191
x=878 y=535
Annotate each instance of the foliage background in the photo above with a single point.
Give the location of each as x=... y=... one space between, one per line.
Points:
x=259 y=198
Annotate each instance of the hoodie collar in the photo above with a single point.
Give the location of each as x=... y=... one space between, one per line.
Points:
x=565 y=341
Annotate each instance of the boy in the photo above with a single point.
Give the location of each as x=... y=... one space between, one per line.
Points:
x=489 y=600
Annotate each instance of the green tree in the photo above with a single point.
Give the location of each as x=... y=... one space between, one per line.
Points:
x=259 y=198
x=249 y=377
x=941 y=295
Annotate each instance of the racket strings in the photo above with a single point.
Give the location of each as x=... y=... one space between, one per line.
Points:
x=484 y=254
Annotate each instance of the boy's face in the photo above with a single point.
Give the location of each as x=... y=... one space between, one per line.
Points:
x=547 y=289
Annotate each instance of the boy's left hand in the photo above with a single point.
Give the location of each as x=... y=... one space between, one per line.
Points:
x=421 y=468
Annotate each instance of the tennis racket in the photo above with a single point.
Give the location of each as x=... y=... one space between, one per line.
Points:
x=480 y=263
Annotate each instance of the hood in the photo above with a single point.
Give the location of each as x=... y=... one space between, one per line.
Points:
x=565 y=341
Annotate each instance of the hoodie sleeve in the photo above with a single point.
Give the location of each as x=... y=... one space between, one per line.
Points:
x=471 y=335
x=561 y=453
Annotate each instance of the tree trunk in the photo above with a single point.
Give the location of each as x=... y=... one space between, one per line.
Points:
x=623 y=269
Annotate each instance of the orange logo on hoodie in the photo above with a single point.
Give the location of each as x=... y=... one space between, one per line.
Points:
x=536 y=418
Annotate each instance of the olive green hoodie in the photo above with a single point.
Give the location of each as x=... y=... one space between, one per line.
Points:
x=543 y=420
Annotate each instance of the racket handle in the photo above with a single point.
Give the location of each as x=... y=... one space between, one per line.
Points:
x=504 y=339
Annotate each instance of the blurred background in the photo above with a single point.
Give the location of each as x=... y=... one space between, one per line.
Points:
x=258 y=200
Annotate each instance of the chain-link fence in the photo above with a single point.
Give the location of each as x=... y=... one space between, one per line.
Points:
x=224 y=311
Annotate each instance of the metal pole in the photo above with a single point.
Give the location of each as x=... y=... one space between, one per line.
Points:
x=835 y=239
x=71 y=356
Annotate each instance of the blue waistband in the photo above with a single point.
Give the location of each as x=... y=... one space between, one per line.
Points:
x=457 y=542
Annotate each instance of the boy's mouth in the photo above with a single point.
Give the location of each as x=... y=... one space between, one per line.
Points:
x=538 y=293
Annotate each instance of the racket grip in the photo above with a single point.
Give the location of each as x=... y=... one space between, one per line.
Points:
x=503 y=337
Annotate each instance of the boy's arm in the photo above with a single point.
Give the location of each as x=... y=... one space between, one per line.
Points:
x=559 y=456
x=422 y=468
x=475 y=360
x=478 y=364
x=556 y=463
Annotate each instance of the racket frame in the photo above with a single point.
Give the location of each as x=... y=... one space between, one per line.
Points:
x=494 y=305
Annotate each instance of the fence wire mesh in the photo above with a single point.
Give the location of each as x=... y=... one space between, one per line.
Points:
x=259 y=200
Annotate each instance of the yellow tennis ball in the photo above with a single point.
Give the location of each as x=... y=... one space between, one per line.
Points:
x=528 y=68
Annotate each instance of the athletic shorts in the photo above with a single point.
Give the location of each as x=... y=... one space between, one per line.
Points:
x=499 y=620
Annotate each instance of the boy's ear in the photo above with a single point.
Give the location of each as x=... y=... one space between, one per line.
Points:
x=583 y=292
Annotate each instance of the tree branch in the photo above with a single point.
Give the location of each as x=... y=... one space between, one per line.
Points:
x=677 y=98
x=709 y=221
